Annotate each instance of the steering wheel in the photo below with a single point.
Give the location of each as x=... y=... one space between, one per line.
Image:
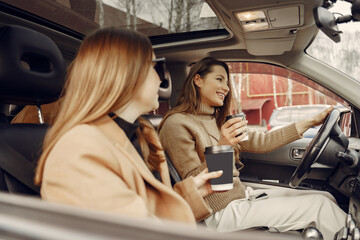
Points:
x=315 y=148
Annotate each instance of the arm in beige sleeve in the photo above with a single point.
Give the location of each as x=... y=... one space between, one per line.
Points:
x=188 y=190
x=260 y=142
x=266 y=142
x=179 y=143
x=304 y=125
x=316 y=120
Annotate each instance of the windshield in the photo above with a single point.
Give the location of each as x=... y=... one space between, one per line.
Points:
x=344 y=55
x=151 y=17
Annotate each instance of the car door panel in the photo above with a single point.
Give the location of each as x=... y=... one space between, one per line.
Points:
x=278 y=166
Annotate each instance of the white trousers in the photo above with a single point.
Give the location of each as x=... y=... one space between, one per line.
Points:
x=281 y=210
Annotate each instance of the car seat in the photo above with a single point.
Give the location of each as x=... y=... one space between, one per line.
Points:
x=32 y=72
x=164 y=92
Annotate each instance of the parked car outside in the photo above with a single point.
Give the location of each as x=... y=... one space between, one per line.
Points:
x=283 y=116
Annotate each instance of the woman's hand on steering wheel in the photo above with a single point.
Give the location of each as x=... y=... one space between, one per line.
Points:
x=313 y=121
x=317 y=144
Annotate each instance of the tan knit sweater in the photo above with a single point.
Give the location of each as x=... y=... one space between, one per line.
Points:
x=185 y=137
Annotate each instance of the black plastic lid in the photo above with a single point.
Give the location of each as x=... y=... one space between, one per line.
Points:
x=234 y=116
x=218 y=149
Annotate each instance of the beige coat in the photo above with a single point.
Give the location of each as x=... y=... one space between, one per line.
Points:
x=95 y=166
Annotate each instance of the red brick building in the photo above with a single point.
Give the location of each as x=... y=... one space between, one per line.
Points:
x=264 y=87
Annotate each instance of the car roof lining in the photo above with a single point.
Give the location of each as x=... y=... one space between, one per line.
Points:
x=231 y=48
x=252 y=46
x=256 y=44
x=68 y=45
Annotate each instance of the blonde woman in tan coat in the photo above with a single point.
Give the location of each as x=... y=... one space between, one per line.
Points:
x=99 y=153
x=198 y=121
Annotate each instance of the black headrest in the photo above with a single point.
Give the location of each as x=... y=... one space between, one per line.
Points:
x=165 y=88
x=32 y=69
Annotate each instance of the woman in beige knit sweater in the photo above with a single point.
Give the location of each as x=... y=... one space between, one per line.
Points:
x=198 y=121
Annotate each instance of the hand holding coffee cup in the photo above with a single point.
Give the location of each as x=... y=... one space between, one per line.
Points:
x=220 y=158
x=243 y=118
x=234 y=130
x=202 y=181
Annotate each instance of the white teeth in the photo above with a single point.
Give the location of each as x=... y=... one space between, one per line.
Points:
x=221 y=95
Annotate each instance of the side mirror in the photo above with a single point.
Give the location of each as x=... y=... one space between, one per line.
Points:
x=326 y=22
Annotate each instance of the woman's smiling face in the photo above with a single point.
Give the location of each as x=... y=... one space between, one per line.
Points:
x=213 y=87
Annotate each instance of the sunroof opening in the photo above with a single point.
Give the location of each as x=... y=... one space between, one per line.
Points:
x=151 y=17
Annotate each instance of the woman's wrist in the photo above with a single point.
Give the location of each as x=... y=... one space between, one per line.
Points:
x=303 y=125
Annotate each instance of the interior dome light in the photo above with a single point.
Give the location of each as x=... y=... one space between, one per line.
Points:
x=253 y=20
x=251 y=15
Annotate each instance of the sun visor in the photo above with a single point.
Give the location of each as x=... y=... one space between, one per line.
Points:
x=271 y=31
x=265 y=47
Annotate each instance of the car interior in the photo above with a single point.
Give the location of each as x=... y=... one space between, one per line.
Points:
x=38 y=43
x=36 y=79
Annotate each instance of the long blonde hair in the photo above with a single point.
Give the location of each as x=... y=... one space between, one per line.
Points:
x=110 y=66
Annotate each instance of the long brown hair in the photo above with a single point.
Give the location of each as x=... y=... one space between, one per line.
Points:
x=110 y=66
x=190 y=99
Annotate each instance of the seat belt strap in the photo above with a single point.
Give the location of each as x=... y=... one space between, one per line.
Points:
x=18 y=166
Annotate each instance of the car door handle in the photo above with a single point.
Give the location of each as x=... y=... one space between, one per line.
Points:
x=297 y=153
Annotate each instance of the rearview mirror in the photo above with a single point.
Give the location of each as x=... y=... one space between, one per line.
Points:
x=355 y=10
x=326 y=22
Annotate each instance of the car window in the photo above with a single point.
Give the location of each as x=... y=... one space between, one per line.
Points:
x=300 y=114
x=343 y=55
x=283 y=116
x=151 y=17
x=272 y=95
